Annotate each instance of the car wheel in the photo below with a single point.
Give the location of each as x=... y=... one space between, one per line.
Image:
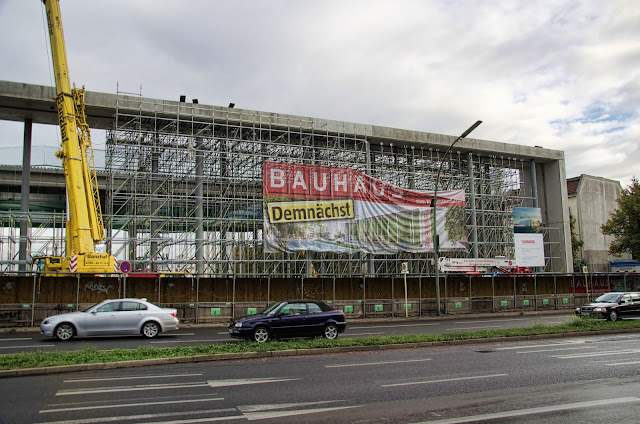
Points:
x=150 y=329
x=613 y=316
x=330 y=332
x=65 y=331
x=261 y=334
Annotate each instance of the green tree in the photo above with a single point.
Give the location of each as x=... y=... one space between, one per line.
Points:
x=576 y=245
x=624 y=223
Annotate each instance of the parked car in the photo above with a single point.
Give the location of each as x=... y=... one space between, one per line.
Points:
x=112 y=317
x=612 y=306
x=289 y=319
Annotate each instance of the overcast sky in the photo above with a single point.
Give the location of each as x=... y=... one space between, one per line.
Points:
x=558 y=74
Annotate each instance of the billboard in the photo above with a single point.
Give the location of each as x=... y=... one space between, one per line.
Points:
x=529 y=243
x=342 y=210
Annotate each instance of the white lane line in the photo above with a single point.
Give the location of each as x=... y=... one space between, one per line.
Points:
x=154 y=416
x=446 y=380
x=251 y=416
x=183 y=341
x=491 y=320
x=376 y=363
x=14 y=339
x=623 y=363
x=23 y=347
x=269 y=407
x=182 y=334
x=531 y=411
x=363 y=334
x=127 y=405
x=473 y=328
x=542 y=345
x=137 y=377
x=392 y=326
x=244 y=381
x=594 y=354
x=556 y=350
x=129 y=389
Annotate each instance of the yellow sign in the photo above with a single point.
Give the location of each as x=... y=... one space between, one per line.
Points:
x=319 y=210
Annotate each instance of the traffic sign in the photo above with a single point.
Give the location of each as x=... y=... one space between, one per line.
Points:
x=125 y=267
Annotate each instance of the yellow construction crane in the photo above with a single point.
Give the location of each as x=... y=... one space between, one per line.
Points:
x=84 y=226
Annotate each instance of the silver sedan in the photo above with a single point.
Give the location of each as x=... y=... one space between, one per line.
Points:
x=112 y=317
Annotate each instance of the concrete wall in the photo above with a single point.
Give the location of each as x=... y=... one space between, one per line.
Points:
x=594 y=202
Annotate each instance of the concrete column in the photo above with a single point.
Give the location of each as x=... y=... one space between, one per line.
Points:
x=534 y=184
x=25 y=192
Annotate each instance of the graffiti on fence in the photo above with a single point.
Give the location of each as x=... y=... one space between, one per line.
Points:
x=97 y=287
x=8 y=287
x=9 y=316
x=596 y=285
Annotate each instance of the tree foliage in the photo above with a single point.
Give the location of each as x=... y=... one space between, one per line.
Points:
x=624 y=223
x=576 y=245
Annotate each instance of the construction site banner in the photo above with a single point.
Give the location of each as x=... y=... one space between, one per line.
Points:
x=342 y=210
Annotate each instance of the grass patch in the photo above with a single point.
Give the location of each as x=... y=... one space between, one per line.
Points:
x=90 y=355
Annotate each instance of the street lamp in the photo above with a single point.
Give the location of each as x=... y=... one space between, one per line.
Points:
x=434 y=206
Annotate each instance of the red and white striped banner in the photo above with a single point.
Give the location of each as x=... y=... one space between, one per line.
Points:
x=73 y=264
x=115 y=265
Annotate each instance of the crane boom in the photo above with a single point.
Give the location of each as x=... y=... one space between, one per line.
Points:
x=84 y=228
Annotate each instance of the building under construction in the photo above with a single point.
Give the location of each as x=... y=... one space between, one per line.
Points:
x=183 y=186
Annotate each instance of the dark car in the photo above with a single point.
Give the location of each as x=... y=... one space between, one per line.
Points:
x=612 y=306
x=289 y=319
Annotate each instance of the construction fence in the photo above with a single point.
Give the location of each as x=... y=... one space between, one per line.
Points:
x=27 y=300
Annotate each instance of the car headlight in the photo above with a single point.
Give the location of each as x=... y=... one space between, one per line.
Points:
x=599 y=310
x=46 y=321
x=237 y=324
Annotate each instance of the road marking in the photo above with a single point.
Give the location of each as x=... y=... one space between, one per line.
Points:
x=446 y=380
x=473 y=328
x=180 y=334
x=16 y=339
x=183 y=341
x=393 y=326
x=363 y=334
x=269 y=407
x=491 y=320
x=530 y=411
x=541 y=345
x=244 y=381
x=278 y=414
x=22 y=347
x=556 y=350
x=623 y=363
x=594 y=354
x=127 y=405
x=128 y=389
x=84 y=380
x=376 y=363
x=167 y=414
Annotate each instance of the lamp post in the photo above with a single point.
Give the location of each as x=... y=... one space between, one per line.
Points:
x=434 y=207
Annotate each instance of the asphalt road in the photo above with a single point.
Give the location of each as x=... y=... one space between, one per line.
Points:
x=593 y=379
x=197 y=335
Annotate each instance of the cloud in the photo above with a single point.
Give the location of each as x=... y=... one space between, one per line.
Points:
x=559 y=74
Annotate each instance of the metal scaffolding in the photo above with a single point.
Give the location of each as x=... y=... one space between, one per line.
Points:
x=184 y=190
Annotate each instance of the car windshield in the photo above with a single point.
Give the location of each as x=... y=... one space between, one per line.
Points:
x=271 y=309
x=608 y=298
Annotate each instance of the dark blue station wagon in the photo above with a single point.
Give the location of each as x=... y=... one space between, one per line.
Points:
x=289 y=319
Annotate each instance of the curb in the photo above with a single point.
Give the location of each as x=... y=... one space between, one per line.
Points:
x=23 y=372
